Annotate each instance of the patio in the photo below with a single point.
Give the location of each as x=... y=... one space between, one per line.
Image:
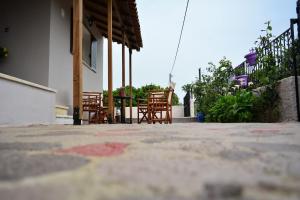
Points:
x=179 y=161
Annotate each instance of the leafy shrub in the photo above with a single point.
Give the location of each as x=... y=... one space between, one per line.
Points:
x=138 y=93
x=266 y=107
x=213 y=85
x=212 y=90
x=229 y=108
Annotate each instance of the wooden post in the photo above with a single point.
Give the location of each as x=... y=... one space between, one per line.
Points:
x=110 y=67
x=77 y=61
x=123 y=59
x=123 y=107
x=130 y=83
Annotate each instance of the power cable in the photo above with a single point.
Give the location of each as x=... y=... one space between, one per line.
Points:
x=178 y=46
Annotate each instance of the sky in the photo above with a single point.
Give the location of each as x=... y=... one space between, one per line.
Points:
x=213 y=29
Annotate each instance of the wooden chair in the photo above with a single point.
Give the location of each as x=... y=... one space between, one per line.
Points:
x=142 y=106
x=160 y=107
x=92 y=103
x=142 y=110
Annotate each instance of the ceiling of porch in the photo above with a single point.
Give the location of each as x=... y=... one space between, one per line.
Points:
x=125 y=18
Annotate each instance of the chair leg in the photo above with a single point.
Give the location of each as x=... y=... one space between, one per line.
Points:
x=160 y=121
x=138 y=116
x=167 y=116
x=170 y=115
x=149 y=116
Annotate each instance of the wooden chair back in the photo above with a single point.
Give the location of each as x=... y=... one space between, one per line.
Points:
x=91 y=100
x=160 y=106
x=92 y=103
x=170 y=95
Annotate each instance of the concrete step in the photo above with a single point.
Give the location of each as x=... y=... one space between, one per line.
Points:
x=64 y=119
x=184 y=119
x=61 y=110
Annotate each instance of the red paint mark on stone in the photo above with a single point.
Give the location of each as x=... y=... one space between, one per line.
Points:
x=99 y=150
x=265 y=131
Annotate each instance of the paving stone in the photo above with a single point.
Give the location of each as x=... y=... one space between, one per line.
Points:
x=293 y=169
x=34 y=193
x=276 y=147
x=263 y=134
x=167 y=139
x=98 y=150
x=196 y=161
x=16 y=165
x=21 y=146
x=282 y=188
x=237 y=155
x=57 y=134
x=223 y=190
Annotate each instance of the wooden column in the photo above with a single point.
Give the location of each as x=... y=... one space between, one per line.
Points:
x=130 y=83
x=110 y=67
x=123 y=60
x=77 y=61
x=123 y=77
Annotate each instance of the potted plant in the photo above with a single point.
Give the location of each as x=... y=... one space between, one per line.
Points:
x=3 y=52
x=242 y=80
x=251 y=58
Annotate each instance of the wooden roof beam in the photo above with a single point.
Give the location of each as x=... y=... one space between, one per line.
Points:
x=102 y=18
x=117 y=10
x=117 y=37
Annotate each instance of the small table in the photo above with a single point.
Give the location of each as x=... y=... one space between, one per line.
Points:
x=123 y=99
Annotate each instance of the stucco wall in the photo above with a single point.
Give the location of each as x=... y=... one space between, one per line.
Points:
x=287 y=103
x=24 y=103
x=61 y=59
x=61 y=67
x=287 y=94
x=27 y=39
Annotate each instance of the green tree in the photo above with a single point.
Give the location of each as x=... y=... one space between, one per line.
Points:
x=139 y=93
x=213 y=85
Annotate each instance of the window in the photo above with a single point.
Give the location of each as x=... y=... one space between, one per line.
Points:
x=89 y=46
x=94 y=54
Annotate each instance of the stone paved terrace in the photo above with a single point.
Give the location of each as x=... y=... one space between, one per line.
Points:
x=151 y=162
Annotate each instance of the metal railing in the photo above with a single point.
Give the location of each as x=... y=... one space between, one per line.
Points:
x=279 y=50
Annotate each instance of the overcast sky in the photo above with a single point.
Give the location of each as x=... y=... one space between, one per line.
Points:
x=213 y=29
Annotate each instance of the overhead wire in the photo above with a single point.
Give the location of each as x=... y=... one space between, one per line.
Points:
x=178 y=46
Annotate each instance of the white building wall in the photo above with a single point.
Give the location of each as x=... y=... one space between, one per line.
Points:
x=24 y=30
x=24 y=103
x=61 y=59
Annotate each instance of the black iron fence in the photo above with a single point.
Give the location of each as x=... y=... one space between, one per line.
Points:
x=278 y=59
x=280 y=53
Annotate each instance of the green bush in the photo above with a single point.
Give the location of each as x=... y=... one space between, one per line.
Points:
x=138 y=93
x=218 y=97
x=266 y=107
x=229 y=108
x=212 y=85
